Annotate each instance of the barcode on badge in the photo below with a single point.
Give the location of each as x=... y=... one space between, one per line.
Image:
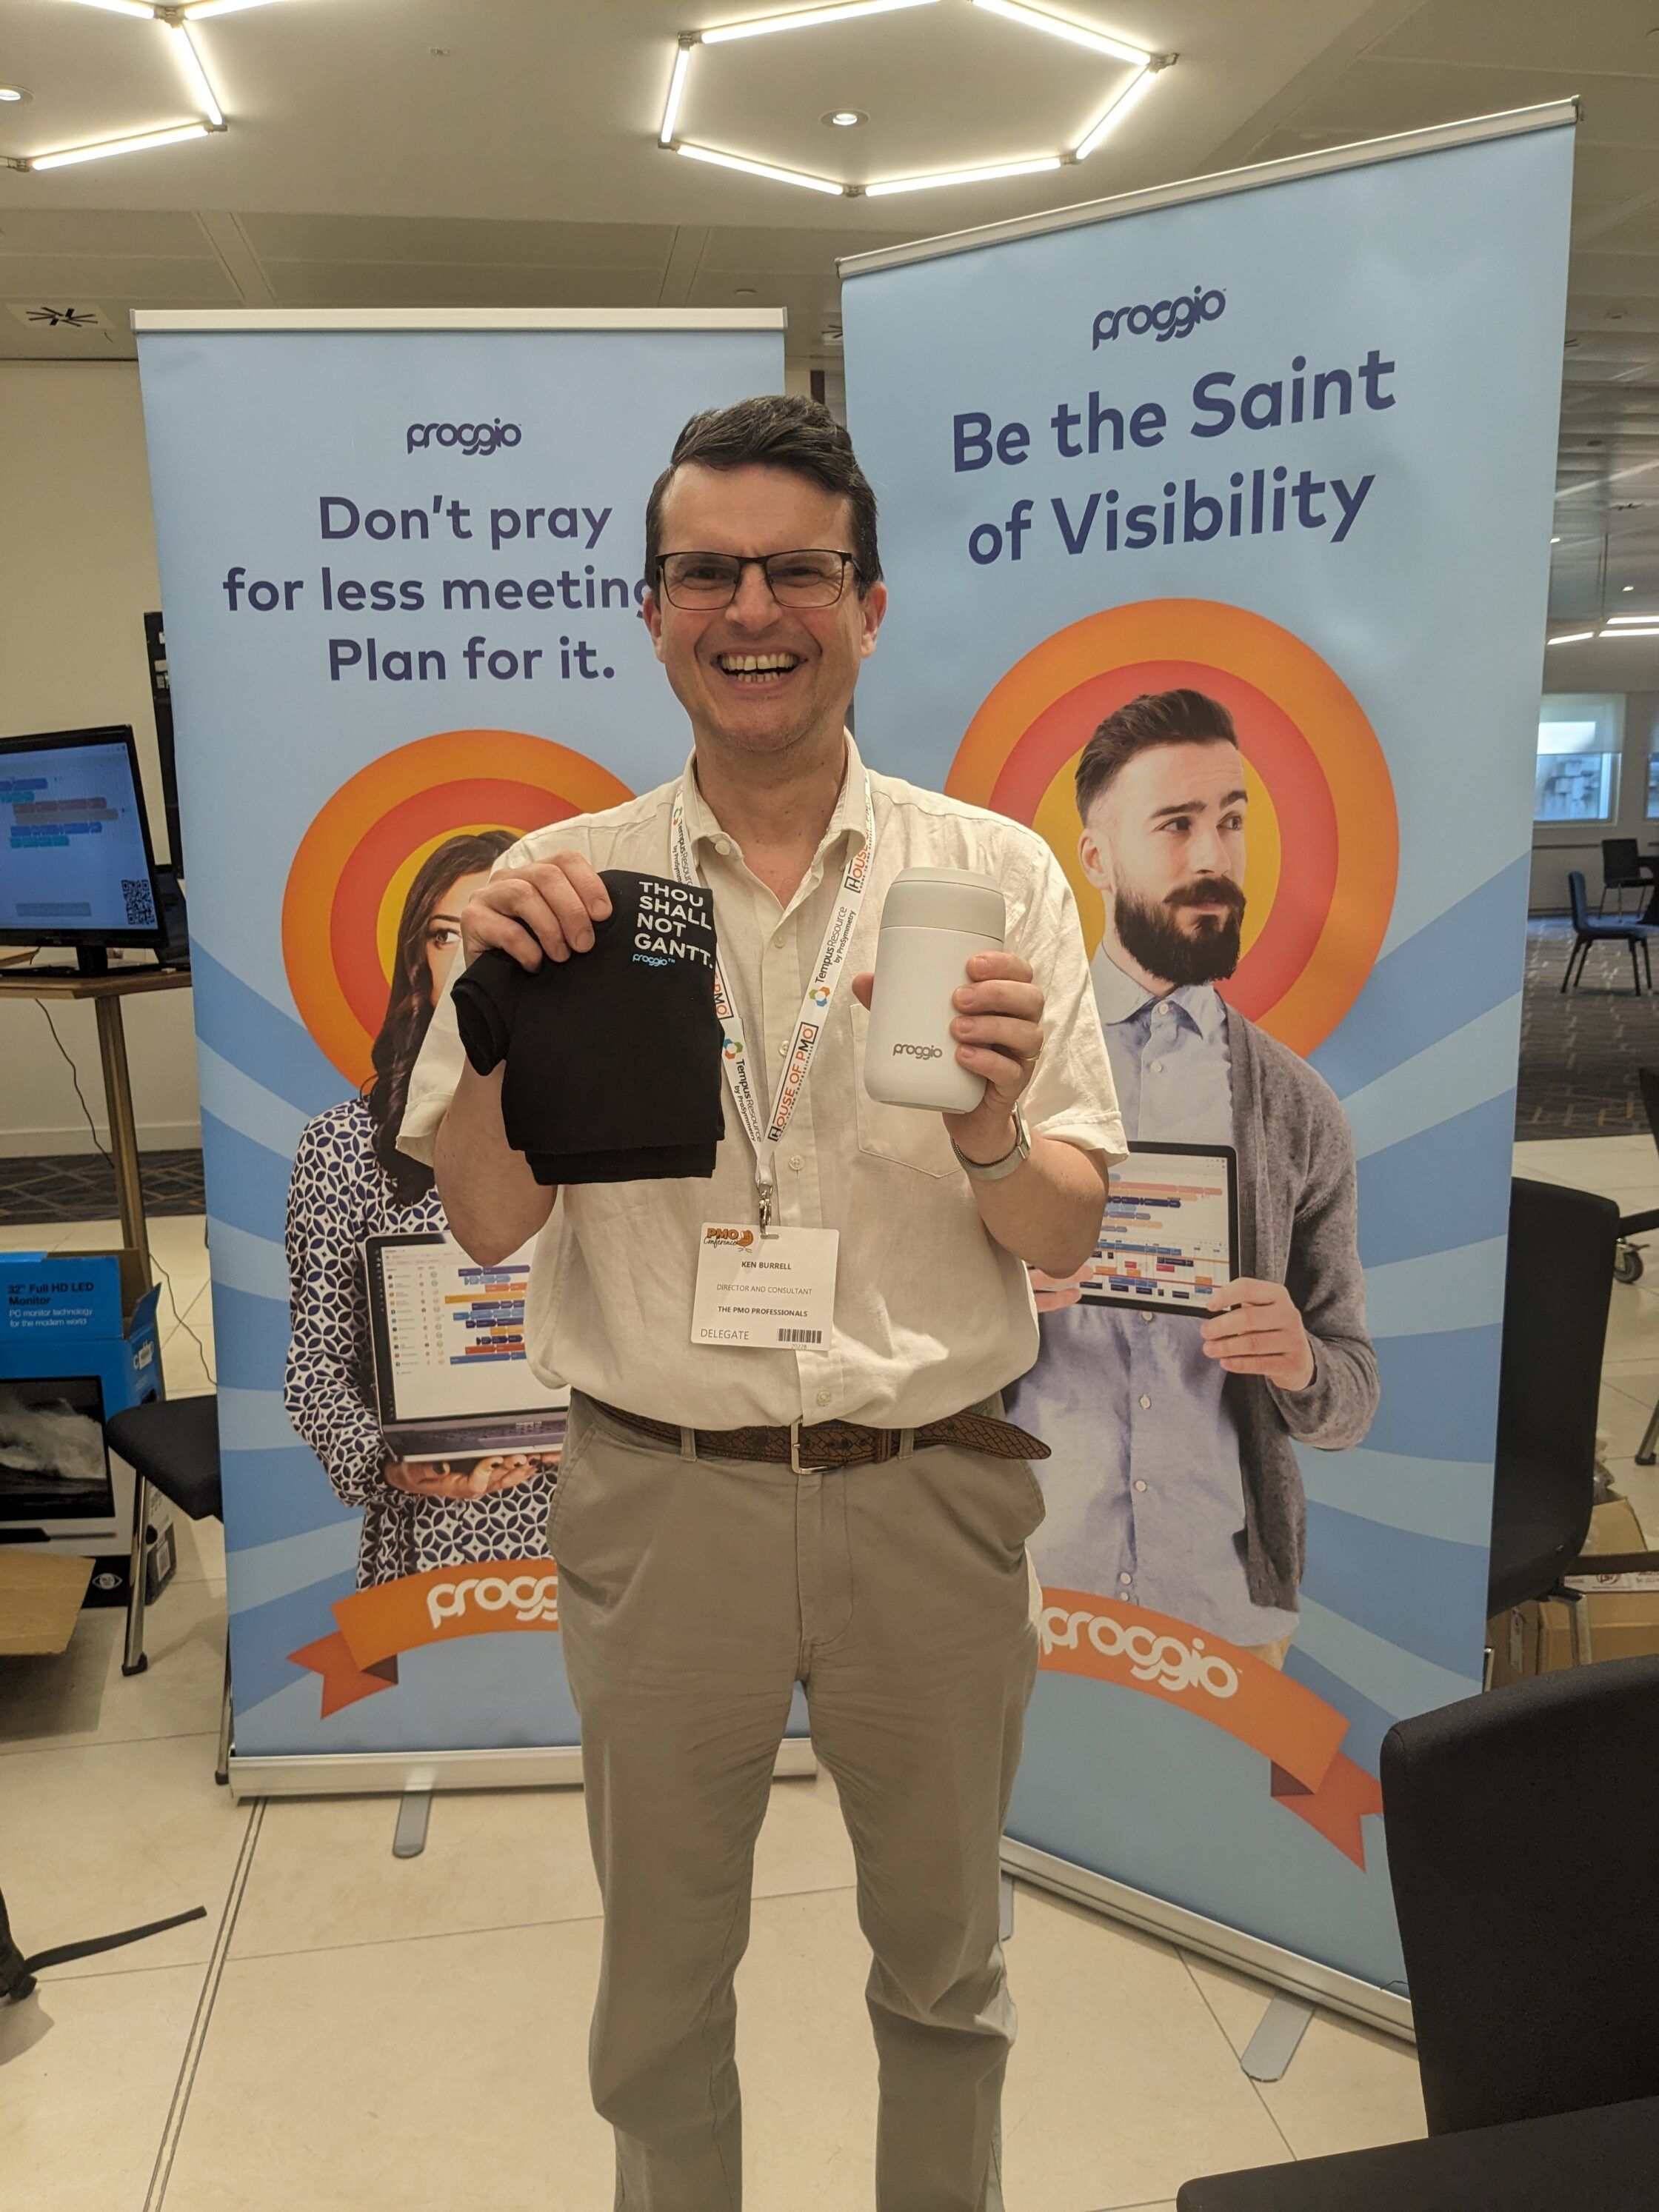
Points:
x=135 y=897
x=800 y=1336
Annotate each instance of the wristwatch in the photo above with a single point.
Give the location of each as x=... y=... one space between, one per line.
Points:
x=993 y=1171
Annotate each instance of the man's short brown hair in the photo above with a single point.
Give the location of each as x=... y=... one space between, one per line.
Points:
x=1156 y=718
x=773 y=432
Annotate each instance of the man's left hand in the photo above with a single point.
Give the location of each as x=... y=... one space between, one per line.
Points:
x=998 y=1027
x=1260 y=1333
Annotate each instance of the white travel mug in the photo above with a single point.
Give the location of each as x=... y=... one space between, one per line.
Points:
x=933 y=923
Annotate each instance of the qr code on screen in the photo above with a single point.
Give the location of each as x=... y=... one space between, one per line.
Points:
x=135 y=896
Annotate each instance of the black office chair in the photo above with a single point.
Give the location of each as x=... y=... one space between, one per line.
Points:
x=173 y=1445
x=1623 y=869
x=1589 y=930
x=1556 y=1294
x=1627 y=1263
x=1520 y=1830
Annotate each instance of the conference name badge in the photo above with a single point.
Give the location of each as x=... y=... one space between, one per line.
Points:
x=760 y=1291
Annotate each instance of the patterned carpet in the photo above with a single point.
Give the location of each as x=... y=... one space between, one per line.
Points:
x=1579 y=1055
x=81 y=1187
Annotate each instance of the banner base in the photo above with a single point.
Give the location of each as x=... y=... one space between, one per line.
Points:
x=1213 y=1939
x=391 y=1773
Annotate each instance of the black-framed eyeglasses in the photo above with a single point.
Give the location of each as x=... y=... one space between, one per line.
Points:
x=813 y=576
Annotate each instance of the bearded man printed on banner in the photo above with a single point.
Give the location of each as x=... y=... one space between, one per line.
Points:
x=1174 y=1483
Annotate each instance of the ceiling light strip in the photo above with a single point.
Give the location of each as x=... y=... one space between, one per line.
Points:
x=191 y=61
x=141 y=142
x=202 y=9
x=1571 y=637
x=1113 y=114
x=1631 y=622
x=1059 y=27
x=676 y=87
x=761 y=169
x=963 y=177
x=138 y=8
x=806 y=19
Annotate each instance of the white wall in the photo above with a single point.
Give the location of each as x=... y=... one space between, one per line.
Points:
x=1632 y=670
x=78 y=575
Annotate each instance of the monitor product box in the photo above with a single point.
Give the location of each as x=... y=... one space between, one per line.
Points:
x=77 y=1343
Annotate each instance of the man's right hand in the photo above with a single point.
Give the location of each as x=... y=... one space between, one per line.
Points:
x=546 y=911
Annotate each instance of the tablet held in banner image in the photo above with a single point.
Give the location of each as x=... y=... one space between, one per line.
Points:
x=1217 y=549
x=410 y=636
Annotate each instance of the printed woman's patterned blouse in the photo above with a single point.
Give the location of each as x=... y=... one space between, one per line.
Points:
x=338 y=1196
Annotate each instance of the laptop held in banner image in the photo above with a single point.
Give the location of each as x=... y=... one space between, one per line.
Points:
x=1170 y=1238
x=450 y=1377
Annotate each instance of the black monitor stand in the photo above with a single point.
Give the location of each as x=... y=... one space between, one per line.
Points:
x=92 y=959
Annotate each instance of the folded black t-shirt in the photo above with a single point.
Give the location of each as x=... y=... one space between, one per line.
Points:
x=613 y=1056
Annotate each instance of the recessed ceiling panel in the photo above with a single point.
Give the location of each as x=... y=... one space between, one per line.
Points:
x=946 y=88
x=1581 y=35
x=101 y=230
x=427 y=239
x=153 y=280
x=454 y=285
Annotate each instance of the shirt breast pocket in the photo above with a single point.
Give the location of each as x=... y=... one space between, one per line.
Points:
x=910 y=1136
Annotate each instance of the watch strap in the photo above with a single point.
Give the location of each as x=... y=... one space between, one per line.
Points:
x=993 y=1171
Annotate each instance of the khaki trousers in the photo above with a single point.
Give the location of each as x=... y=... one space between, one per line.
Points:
x=694 y=1593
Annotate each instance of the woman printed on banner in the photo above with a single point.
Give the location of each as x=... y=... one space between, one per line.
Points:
x=350 y=1183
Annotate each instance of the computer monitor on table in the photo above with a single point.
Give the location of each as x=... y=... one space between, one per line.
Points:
x=77 y=865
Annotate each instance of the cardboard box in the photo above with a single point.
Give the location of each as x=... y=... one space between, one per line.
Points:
x=40 y=1595
x=1536 y=1638
x=81 y=1313
x=77 y=1343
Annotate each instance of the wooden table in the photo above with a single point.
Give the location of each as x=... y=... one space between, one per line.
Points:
x=106 y=993
x=1606 y=2159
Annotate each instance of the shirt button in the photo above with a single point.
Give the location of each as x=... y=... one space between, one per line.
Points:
x=1125 y=1580
x=782 y=1049
x=778 y=938
x=1158 y=1068
x=722 y=844
x=824 y=1397
x=796 y=1161
x=1140 y=1486
x=1145 y=1403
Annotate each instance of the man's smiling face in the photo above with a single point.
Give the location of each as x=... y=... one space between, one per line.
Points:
x=761 y=676
x=1164 y=844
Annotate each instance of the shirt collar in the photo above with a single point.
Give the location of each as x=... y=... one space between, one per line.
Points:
x=1120 y=997
x=703 y=827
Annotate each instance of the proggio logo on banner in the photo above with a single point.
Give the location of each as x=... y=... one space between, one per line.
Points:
x=465 y=437
x=1167 y=318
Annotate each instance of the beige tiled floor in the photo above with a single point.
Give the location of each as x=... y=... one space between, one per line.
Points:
x=413 y=2031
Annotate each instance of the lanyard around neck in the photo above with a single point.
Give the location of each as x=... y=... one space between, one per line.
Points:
x=765 y=1136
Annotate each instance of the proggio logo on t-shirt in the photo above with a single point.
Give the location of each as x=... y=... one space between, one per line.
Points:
x=672 y=924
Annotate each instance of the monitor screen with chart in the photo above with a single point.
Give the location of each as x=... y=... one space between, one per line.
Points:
x=76 y=863
x=1170 y=1238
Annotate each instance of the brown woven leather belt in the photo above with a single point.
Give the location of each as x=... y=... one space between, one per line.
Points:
x=808 y=1446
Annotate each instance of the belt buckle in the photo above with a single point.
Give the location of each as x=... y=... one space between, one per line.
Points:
x=794 y=1452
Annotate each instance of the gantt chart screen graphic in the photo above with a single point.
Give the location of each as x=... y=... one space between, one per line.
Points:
x=71 y=840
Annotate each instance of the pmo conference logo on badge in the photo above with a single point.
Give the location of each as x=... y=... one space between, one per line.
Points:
x=1170 y=319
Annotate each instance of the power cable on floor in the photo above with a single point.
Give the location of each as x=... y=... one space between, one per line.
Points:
x=98 y=1147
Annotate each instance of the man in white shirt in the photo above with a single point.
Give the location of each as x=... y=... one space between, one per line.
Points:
x=849 y=1514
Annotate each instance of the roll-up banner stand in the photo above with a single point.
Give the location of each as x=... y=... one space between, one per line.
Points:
x=1217 y=522
x=401 y=558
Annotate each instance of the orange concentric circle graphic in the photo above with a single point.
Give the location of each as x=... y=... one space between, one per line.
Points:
x=1323 y=836
x=354 y=864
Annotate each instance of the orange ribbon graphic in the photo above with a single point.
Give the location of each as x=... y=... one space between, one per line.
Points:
x=1297 y=1733
x=491 y=1597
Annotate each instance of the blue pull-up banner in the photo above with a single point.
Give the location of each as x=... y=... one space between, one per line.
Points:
x=1218 y=535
